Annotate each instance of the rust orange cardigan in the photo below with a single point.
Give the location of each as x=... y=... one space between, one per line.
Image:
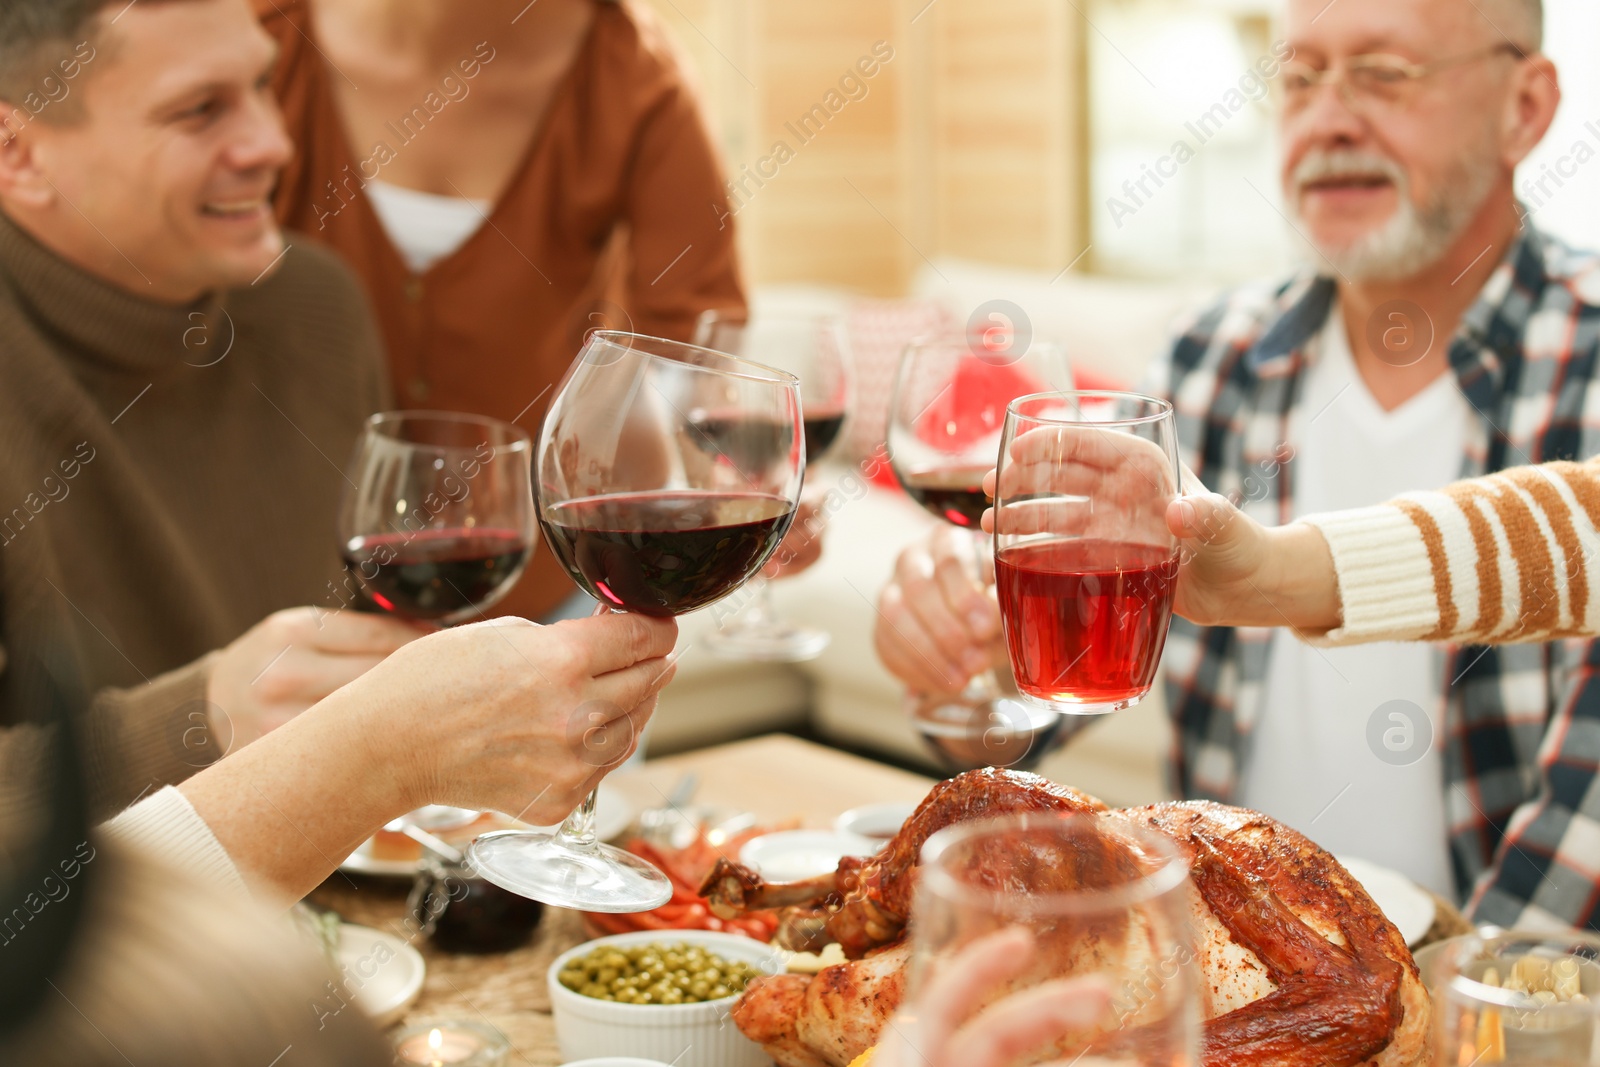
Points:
x=617 y=214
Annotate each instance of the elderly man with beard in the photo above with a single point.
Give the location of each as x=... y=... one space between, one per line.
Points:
x=1436 y=335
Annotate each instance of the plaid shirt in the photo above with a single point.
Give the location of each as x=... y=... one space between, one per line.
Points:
x=1521 y=737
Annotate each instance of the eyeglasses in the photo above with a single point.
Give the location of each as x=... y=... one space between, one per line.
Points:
x=1364 y=81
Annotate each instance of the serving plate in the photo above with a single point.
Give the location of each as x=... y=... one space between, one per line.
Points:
x=1406 y=904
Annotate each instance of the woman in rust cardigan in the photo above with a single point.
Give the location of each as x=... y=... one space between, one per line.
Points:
x=503 y=175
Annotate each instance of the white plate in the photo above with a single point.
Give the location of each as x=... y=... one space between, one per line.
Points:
x=795 y=855
x=1405 y=903
x=613 y=814
x=379 y=971
x=877 y=821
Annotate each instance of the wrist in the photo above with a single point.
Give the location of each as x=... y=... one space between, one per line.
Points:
x=1299 y=577
x=382 y=759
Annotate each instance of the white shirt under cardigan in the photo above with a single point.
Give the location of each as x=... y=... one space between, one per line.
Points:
x=1312 y=762
x=165 y=824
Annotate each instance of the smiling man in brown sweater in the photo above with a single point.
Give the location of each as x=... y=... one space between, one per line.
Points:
x=179 y=386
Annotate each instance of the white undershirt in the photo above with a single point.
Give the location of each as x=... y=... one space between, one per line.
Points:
x=1311 y=764
x=425 y=227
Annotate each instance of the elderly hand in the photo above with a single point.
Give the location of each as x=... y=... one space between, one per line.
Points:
x=1234 y=571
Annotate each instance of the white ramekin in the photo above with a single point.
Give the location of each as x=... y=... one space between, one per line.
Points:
x=699 y=1034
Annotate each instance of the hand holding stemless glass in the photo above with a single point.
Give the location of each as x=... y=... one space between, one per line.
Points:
x=964 y=1017
x=1084 y=563
x=1069 y=932
x=1233 y=571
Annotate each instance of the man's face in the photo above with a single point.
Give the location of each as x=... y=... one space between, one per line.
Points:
x=1384 y=188
x=163 y=178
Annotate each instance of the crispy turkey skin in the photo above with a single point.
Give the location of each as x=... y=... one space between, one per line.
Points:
x=1298 y=966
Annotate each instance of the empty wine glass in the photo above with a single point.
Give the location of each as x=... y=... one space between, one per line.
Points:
x=646 y=517
x=1099 y=897
x=945 y=421
x=1085 y=565
x=813 y=348
x=437 y=524
x=1515 y=998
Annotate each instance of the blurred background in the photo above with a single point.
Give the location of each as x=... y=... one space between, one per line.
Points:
x=998 y=132
x=1102 y=165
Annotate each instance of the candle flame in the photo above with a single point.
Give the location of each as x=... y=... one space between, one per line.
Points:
x=435 y=1040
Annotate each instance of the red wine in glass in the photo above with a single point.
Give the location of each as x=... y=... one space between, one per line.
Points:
x=954 y=494
x=667 y=552
x=666 y=476
x=435 y=574
x=1085 y=619
x=821 y=430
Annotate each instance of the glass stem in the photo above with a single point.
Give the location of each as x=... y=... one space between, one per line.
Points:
x=759 y=609
x=578 y=829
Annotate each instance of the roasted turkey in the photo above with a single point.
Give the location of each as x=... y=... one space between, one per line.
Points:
x=1298 y=966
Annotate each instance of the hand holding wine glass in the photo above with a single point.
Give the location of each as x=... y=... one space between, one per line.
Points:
x=944 y=433
x=647 y=518
x=437 y=524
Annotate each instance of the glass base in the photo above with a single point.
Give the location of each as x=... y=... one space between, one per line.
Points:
x=1075 y=707
x=768 y=642
x=966 y=733
x=547 y=868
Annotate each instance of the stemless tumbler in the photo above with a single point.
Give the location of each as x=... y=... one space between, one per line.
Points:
x=1085 y=566
x=1102 y=899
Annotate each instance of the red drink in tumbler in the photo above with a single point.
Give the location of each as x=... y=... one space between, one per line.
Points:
x=1085 y=619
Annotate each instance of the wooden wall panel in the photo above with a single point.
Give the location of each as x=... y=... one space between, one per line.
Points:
x=968 y=141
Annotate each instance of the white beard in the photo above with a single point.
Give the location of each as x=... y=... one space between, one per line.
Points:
x=1414 y=239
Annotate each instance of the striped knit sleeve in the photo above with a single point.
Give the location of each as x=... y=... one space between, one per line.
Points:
x=1494 y=560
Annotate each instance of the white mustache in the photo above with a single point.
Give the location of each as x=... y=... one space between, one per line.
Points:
x=1346 y=163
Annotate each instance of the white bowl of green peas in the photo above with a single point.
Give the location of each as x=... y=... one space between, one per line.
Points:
x=658 y=994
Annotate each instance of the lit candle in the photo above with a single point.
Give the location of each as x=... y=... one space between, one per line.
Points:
x=440 y=1045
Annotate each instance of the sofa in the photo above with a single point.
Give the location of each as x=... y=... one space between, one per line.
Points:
x=1109 y=329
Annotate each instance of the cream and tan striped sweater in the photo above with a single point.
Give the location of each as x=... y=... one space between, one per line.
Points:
x=1504 y=558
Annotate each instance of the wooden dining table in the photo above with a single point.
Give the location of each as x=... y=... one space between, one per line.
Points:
x=777 y=778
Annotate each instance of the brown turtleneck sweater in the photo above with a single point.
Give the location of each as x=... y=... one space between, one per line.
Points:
x=168 y=478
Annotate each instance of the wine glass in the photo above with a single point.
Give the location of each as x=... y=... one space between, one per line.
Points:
x=437 y=524
x=813 y=348
x=945 y=419
x=1085 y=565
x=1518 y=998
x=1099 y=897
x=647 y=518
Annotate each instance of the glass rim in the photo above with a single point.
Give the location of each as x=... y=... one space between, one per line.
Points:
x=1164 y=408
x=1498 y=996
x=381 y=424
x=1172 y=871
x=749 y=369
